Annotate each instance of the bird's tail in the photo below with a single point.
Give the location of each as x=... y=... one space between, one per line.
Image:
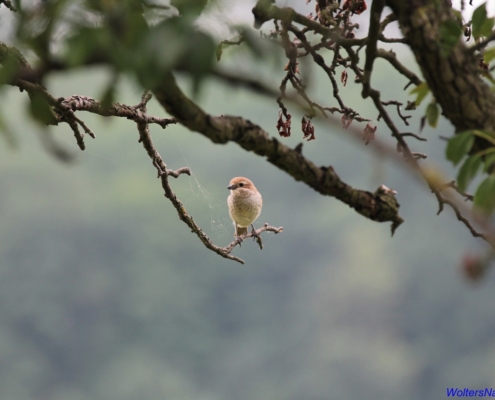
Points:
x=240 y=231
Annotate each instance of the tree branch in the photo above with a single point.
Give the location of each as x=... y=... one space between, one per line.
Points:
x=481 y=45
x=373 y=33
x=392 y=59
x=164 y=173
x=8 y=4
x=134 y=113
x=453 y=77
x=223 y=129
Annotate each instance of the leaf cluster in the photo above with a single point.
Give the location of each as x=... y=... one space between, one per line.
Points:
x=459 y=148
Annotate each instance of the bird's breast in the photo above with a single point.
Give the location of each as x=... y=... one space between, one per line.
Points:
x=244 y=210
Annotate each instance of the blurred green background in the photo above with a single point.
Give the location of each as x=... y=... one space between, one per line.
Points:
x=106 y=294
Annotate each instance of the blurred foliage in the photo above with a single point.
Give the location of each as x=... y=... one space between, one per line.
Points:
x=458 y=148
x=151 y=52
x=105 y=294
x=421 y=91
x=432 y=114
x=482 y=25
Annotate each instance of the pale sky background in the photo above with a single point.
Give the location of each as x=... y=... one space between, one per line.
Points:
x=490 y=5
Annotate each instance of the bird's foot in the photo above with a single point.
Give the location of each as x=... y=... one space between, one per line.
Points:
x=255 y=234
x=239 y=240
x=257 y=237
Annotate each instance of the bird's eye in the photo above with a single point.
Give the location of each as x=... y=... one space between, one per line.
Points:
x=241 y=184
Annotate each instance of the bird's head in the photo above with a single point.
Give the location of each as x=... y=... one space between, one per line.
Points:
x=240 y=186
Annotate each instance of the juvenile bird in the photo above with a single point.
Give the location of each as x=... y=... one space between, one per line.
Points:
x=244 y=204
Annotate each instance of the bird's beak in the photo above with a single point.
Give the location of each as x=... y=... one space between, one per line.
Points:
x=231 y=187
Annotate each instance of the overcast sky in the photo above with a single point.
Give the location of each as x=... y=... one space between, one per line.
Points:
x=469 y=9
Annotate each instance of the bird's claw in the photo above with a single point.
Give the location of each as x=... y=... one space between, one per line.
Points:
x=239 y=240
x=254 y=233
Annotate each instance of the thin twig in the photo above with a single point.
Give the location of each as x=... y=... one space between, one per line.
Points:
x=483 y=43
x=164 y=173
x=398 y=104
x=422 y=139
x=454 y=186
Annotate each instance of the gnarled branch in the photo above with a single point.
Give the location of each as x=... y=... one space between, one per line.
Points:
x=251 y=137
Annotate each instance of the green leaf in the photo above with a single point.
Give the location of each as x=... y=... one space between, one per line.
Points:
x=219 y=51
x=459 y=146
x=487 y=27
x=468 y=171
x=478 y=18
x=487 y=135
x=421 y=91
x=450 y=33
x=489 y=162
x=484 y=198
x=482 y=25
x=40 y=110
x=489 y=55
x=199 y=57
x=86 y=43
x=152 y=59
x=432 y=114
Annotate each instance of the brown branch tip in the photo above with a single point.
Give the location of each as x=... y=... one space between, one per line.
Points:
x=255 y=234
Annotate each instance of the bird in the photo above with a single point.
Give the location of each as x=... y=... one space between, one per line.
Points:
x=245 y=204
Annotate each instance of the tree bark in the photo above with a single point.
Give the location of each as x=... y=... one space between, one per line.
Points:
x=454 y=78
